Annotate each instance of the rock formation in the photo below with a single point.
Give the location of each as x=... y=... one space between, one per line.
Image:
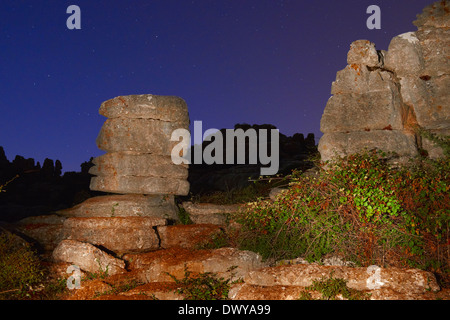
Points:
x=139 y=168
x=136 y=137
x=381 y=97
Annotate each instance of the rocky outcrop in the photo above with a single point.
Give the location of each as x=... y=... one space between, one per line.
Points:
x=381 y=96
x=137 y=139
x=88 y=257
x=209 y=213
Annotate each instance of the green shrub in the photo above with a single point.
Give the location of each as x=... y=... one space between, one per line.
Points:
x=20 y=268
x=360 y=208
x=203 y=286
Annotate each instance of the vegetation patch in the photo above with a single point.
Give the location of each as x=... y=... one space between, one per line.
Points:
x=203 y=286
x=361 y=208
x=332 y=289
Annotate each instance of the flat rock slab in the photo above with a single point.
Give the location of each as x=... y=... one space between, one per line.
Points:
x=209 y=213
x=46 y=230
x=154 y=266
x=187 y=236
x=411 y=281
x=138 y=135
x=87 y=257
x=146 y=106
x=129 y=163
x=140 y=185
x=118 y=234
x=245 y=291
x=133 y=205
x=342 y=144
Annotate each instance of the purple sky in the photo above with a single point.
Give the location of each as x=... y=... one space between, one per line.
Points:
x=233 y=61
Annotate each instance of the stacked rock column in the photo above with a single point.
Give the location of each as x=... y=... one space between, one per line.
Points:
x=137 y=168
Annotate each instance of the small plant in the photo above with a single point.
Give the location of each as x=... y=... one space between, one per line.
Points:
x=203 y=286
x=20 y=268
x=184 y=217
x=101 y=274
x=441 y=141
x=113 y=210
x=332 y=289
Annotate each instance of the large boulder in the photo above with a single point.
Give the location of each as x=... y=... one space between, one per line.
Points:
x=117 y=234
x=87 y=257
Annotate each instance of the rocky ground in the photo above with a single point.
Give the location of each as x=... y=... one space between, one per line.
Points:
x=150 y=275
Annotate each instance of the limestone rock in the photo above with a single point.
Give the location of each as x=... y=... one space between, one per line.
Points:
x=404 y=55
x=154 y=266
x=369 y=111
x=408 y=87
x=137 y=139
x=88 y=257
x=137 y=164
x=140 y=185
x=357 y=79
x=46 y=230
x=363 y=279
x=118 y=234
x=138 y=135
x=187 y=236
x=146 y=106
x=435 y=15
x=363 y=52
x=131 y=205
x=209 y=213
x=343 y=144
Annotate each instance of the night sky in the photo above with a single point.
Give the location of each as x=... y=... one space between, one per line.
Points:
x=233 y=61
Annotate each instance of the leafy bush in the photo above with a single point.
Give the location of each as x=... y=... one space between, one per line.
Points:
x=360 y=208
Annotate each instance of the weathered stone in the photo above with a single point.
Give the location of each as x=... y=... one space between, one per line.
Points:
x=435 y=45
x=429 y=99
x=303 y=275
x=137 y=164
x=139 y=135
x=209 y=213
x=409 y=89
x=46 y=230
x=369 y=111
x=118 y=234
x=187 y=236
x=435 y=15
x=154 y=266
x=88 y=257
x=90 y=289
x=363 y=52
x=404 y=55
x=343 y=144
x=140 y=185
x=357 y=79
x=434 y=151
x=244 y=291
x=132 y=205
x=146 y=106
